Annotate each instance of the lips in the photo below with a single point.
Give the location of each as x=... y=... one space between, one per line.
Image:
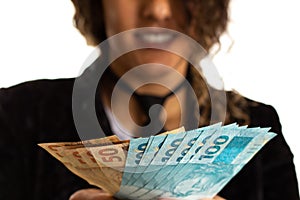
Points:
x=154 y=39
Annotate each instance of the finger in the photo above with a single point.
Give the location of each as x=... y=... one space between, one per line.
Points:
x=215 y=198
x=91 y=194
x=218 y=198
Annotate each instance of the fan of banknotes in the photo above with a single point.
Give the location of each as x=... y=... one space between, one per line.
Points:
x=180 y=164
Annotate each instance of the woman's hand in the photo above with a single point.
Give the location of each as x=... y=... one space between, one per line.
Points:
x=97 y=194
x=215 y=198
x=91 y=194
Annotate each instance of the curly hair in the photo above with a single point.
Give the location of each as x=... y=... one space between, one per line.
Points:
x=208 y=19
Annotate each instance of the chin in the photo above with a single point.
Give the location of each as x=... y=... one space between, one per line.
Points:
x=161 y=57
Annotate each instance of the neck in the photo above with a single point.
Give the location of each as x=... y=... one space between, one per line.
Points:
x=172 y=108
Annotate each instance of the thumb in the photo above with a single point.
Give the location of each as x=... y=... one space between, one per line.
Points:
x=91 y=194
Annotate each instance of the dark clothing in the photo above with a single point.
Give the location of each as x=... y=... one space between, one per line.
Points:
x=41 y=111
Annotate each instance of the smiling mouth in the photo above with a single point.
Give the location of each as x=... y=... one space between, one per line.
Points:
x=155 y=39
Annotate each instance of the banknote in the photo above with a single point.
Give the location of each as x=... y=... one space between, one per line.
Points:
x=208 y=171
x=154 y=145
x=181 y=164
x=77 y=167
x=194 y=138
x=74 y=156
x=136 y=163
x=188 y=170
x=164 y=153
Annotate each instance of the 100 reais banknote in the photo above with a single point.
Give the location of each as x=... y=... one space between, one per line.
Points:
x=181 y=164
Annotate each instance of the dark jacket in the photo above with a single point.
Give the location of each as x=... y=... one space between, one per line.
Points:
x=41 y=111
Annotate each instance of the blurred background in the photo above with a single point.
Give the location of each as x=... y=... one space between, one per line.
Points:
x=259 y=56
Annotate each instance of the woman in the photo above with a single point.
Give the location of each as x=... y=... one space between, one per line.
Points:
x=41 y=111
x=205 y=22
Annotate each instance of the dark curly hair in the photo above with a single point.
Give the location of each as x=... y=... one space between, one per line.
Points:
x=208 y=19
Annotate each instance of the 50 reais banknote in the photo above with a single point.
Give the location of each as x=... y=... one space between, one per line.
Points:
x=181 y=164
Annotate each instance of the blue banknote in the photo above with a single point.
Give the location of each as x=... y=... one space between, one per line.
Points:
x=152 y=148
x=205 y=177
x=169 y=158
x=192 y=165
x=169 y=147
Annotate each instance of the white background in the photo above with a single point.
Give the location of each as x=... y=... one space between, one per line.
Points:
x=38 y=40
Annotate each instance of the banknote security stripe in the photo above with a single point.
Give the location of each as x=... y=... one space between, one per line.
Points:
x=233 y=149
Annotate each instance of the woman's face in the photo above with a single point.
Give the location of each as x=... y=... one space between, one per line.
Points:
x=122 y=15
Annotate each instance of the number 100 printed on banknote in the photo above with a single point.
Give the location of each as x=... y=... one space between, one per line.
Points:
x=181 y=164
